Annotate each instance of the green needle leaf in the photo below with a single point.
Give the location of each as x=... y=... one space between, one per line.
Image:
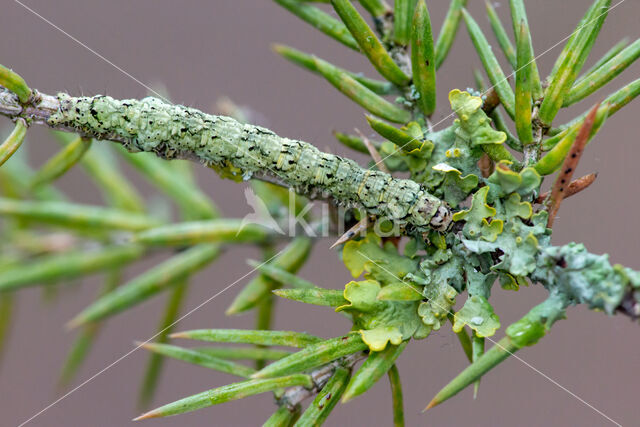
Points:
x=519 y=14
x=463 y=338
x=244 y=353
x=399 y=137
x=313 y=356
x=491 y=65
x=290 y=259
x=195 y=232
x=396 y=396
x=501 y=35
x=100 y=164
x=320 y=20
x=13 y=141
x=199 y=358
x=242 y=336
x=7 y=304
x=64 y=160
x=15 y=84
x=553 y=160
x=283 y=417
x=283 y=276
x=308 y=61
x=86 y=337
x=503 y=349
x=326 y=400
x=603 y=75
x=377 y=364
x=449 y=30
x=155 y=361
x=75 y=215
x=53 y=268
x=571 y=60
x=369 y=43
x=149 y=283
x=613 y=103
x=354 y=142
x=318 y=296
x=227 y=393
x=524 y=79
x=359 y=94
x=192 y=201
x=616 y=49
x=377 y=8
x=402 y=16
x=422 y=58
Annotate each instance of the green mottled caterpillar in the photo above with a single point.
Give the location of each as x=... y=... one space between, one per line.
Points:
x=173 y=131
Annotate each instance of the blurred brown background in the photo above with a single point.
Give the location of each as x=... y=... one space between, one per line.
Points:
x=202 y=50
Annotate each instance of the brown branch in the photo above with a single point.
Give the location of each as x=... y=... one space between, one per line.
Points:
x=576 y=186
x=570 y=164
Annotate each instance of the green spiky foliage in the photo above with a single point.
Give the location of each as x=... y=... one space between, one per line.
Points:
x=471 y=214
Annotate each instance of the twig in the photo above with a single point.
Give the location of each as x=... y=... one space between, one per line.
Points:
x=295 y=395
x=576 y=186
x=374 y=153
x=570 y=163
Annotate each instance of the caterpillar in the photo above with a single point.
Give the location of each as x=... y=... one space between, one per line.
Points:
x=175 y=131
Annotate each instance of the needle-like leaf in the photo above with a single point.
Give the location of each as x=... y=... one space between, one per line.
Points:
x=199 y=358
x=192 y=201
x=369 y=43
x=524 y=79
x=571 y=60
x=377 y=8
x=283 y=417
x=491 y=65
x=100 y=164
x=155 y=362
x=326 y=400
x=604 y=74
x=317 y=296
x=64 y=160
x=53 y=268
x=225 y=394
x=313 y=356
x=280 y=275
x=320 y=20
x=519 y=14
x=13 y=141
x=290 y=259
x=449 y=30
x=501 y=35
x=149 y=283
x=244 y=353
x=374 y=368
x=15 y=84
x=76 y=216
x=423 y=58
x=195 y=232
x=86 y=337
x=402 y=139
x=361 y=95
x=242 y=336
x=403 y=11
x=308 y=61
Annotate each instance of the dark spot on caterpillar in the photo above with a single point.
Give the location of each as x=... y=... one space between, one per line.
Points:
x=328 y=396
x=427 y=62
x=573 y=156
x=561 y=189
x=568 y=170
x=563 y=180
